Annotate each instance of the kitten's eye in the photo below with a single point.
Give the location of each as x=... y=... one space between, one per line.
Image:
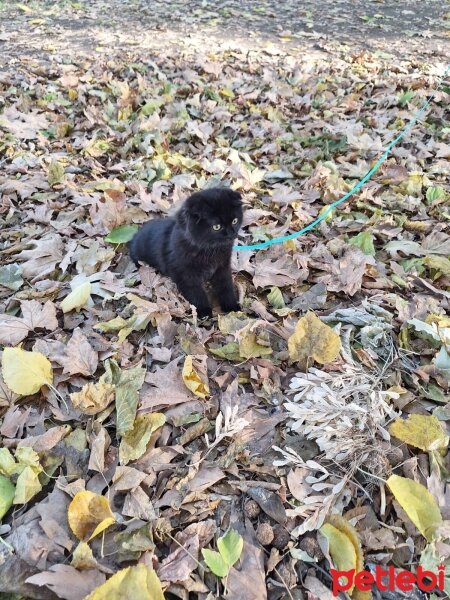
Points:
x=217 y=227
x=234 y=221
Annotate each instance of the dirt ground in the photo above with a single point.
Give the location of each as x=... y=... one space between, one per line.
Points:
x=46 y=29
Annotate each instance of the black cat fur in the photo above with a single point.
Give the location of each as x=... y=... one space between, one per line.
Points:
x=187 y=248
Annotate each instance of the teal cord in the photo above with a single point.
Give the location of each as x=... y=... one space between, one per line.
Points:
x=358 y=186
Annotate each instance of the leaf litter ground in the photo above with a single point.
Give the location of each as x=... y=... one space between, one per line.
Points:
x=265 y=421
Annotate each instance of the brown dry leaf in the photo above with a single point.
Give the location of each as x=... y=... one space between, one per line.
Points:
x=168 y=387
x=127 y=478
x=93 y=397
x=312 y=339
x=80 y=356
x=248 y=581
x=67 y=582
x=138 y=505
x=278 y=272
x=24 y=126
x=42 y=258
x=99 y=441
x=34 y=316
x=12 y=330
x=47 y=440
x=89 y=514
x=109 y=212
x=345 y=273
x=7 y=396
x=182 y=560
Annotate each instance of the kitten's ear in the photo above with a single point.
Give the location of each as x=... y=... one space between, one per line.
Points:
x=193 y=211
x=235 y=197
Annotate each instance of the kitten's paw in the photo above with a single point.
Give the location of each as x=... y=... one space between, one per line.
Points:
x=231 y=307
x=204 y=313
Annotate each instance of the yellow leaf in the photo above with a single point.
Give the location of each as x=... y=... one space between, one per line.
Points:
x=83 y=558
x=341 y=549
x=89 y=514
x=27 y=486
x=93 y=397
x=250 y=346
x=347 y=529
x=136 y=583
x=421 y=431
x=313 y=339
x=77 y=298
x=25 y=372
x=7 y=462
x=134 y=442
x=192 y=380
x=420 y=506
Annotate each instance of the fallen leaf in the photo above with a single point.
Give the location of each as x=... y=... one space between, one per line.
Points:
x=421 y=431
x=67 y=582
x=27 y=485
x=78 y=298
x=83 y=558
x=196 y=379
x=341 y=549
x=7 y=492
x=42 y=258
x=80 y=357
x=134 y=442
x=25 y=372
x=56 y=173
x=34 y=316
x=121 y=234
x=169 y=388
x=420 y=506
x=89 y=514
x=313 y=339
x=127 y=383
x=11 y=277
x=136 y=583
x=93 y=397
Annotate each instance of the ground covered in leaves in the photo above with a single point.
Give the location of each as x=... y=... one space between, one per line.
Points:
x=308 y=431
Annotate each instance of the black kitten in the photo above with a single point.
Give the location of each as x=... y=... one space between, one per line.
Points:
x=194 y=247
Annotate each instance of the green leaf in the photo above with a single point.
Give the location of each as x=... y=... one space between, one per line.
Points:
x=121 y=234
x=275 y=298
x=229 y=351
x=406 y=97
x=215 y=562
x=55 y=173
x=364 y=241
x=230 y=546
x=7 y=491
x=10 y=277
x=128 y=383
x=435 y=192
